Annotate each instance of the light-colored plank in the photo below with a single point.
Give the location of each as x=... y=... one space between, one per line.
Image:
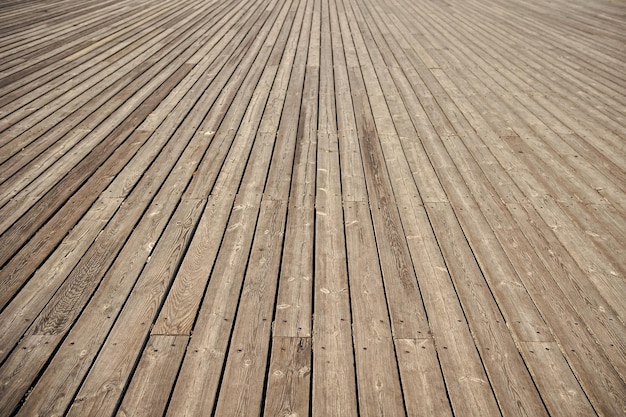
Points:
x=333 y=382
x=445 y=173
x=289 y=377
x=422 y=381
x=294 y=299
x=180 y=308
x=174 y=183
x=62 y=378
x=376 y=368
x=559 y=389
x=24 y=308
x=575 y=283
x=401 y=288
x=198 y=382
x=512 y=383
x=125 y=180
x=529 y=325
x=352 y=177
x=241 y=387
x=40 y=210
x=17 y=372
x=153 y=379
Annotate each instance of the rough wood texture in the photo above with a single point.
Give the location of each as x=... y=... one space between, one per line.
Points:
x=312 y=208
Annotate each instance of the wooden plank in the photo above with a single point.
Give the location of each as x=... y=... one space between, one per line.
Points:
x=93 y=265
x=54 y=59
x=486 y=246
x=235 y=132
x=62 y=378
x=279 y=178
x=422 y=382
x=149 y=391
x=559 y=389
x=18 y=272
x=333 y=381
x=588 y=345
x=294 y=299
x=197 y=262
x=50 y=61
x=180 y=308
x=17 y=372
x=465 y=190
x=411 y=150
x=242 y=385
x=199 y=379
x=41 y=210
x=517 y=247
x=188 y=168
x=540 y=112
x=402 y=291
x=289 y=377
x=87 y=74
x=249 y=345
x=85 y=102
x=293 y=315
x=293 y=305
x=353 y=185
x=28 y=43
x=376 y=368
x=446 y=318
x=589 y=61
x=511 y=383
x=125 y=180
x=24 y=308
x=39 y=17
x=50 y=154
x=97 y=74
x=576 y=284
x=211 y=333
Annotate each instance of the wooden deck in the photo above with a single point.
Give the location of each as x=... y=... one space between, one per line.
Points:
x=313 y=208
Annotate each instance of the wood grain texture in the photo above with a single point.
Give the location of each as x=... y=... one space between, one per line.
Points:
x=423 y=388
x=289 y=377
x=555 y=381
x=312 y=207
x=152 y=381
x=376 y=372
x=242 y=385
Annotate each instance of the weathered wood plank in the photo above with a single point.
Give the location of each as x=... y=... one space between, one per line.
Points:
x=422 y=382
x=241 y=387
x=334 y=390
x=512 y=383
x=180 y=308
x=376 y=368
x=408 y=318
x=63 y=377
x=333 y=380
x=312 y=207
x=295 y=292
x=289 y=377
x=154 y=377
x=559 y=389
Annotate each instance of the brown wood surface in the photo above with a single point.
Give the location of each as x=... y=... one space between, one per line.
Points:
x=312 y=208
